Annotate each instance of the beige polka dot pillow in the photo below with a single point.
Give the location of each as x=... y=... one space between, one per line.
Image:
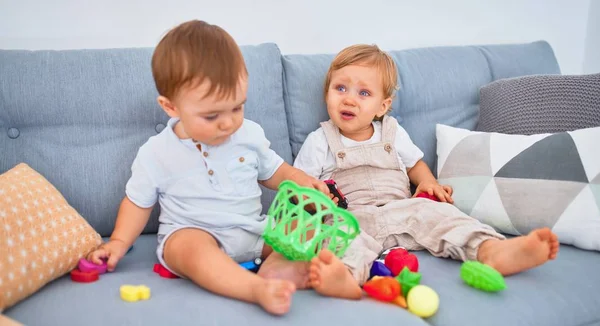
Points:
x=41 y=236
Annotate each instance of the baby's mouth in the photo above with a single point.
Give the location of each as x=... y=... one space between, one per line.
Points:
x=348 y=114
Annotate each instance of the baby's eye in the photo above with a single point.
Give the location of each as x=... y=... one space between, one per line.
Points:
x=238 y=109
x=340 y=88
x=211 y=117
x=364 y=93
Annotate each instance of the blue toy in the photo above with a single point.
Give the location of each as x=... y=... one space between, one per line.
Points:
x=252 y=265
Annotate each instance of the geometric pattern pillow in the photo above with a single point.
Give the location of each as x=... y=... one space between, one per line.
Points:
x=41 y=236
x=517 y=183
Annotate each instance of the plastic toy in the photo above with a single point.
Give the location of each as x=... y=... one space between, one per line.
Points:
x=379 y=269
x=132 y=293
x=423 y=301
x=428 y=196
x=400 y=301
x=163 y=272
x=335 y=191
x=87 y=266
x=408 y=280
x=290 y=226
x=252 y=265
x=84 y=277
x=482 y=276
x=397 y=259
x=383 y=288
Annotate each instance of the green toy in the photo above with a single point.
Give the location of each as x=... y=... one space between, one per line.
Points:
x=408 y=280
x=290 y=224
x=482 y=276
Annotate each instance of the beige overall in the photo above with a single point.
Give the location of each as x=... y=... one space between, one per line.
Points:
x=378 y=191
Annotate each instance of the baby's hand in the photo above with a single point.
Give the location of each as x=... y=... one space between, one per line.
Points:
x=111 y=251
x=443 y=192
x=305 y=180
x=322 y=187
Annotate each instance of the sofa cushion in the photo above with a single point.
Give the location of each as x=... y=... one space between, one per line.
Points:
x=41 y=236
x=79 y=117
x=540 y=104
x=517 y=183
x=563 y=292
x=180 y=302
x=438 y=85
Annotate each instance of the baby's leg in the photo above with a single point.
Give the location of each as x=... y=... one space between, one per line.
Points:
x=445 y=231
x=458 y=233
x=195 y=254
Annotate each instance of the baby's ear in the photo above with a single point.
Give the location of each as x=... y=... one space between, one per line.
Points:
x=167 y=106
x=386 y=105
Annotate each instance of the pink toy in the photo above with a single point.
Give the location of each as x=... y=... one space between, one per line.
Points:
x=428 y=196
x=87 y=266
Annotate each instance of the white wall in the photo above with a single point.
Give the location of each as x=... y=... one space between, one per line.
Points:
x=591 y=62
x=304 y=26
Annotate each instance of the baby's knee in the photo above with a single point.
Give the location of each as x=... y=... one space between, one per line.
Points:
x=184 y=243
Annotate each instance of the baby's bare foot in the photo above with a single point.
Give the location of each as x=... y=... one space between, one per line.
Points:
x=275 y=296
x=278 y=267
x=521 y=253
x=330 y=277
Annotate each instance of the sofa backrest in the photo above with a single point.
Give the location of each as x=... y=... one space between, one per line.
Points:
x=438 y=85
x=79 y=116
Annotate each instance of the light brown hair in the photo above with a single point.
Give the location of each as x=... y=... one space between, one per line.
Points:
x=367 y=55
x=194 y=52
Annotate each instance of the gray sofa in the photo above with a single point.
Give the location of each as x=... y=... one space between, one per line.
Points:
x=79 y=116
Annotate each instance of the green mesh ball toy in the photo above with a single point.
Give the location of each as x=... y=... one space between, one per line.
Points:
x=290 y=224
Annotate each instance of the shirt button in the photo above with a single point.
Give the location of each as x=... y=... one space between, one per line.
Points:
x=341 y=155
x=199 y=147
x=387 y=147
x=205 y=154
x=242 y=159
x=211 y=172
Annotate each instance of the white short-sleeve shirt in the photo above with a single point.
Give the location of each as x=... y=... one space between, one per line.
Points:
x=316 y=159
x=212 y=187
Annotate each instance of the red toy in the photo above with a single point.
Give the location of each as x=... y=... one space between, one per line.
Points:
x=397 y=259
x=84 y=277
x=428 y=196
x=163 y=272
x=383 y=288
x=335 y=191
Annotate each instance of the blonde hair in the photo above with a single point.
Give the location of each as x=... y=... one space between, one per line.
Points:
x=371 y=55
x=193 y=52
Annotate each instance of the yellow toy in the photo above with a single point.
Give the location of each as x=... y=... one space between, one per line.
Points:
x=132 y=293
x=423 y=301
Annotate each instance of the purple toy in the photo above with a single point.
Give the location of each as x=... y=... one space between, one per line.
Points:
x=379 y=269
x=88 y=266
